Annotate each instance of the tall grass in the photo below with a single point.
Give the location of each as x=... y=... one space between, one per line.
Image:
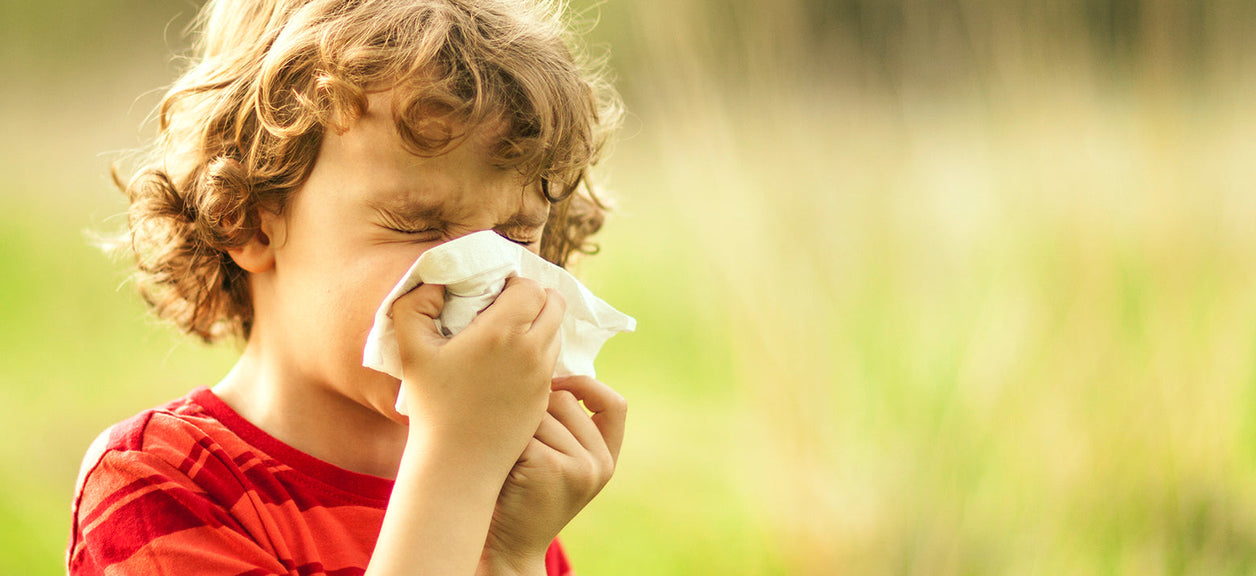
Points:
x=985 y=305
x=969 y=345
x=924 y=287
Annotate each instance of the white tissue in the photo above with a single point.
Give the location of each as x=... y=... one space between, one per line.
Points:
x=474 y=269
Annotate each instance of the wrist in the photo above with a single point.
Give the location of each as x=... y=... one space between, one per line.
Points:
x=464 y=447
x=478 y=443
x=499 y=564
x=471 y=474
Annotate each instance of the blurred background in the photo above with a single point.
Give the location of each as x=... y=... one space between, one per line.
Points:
x=924 y=286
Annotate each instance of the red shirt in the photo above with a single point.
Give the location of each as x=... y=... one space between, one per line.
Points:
x=192 y=488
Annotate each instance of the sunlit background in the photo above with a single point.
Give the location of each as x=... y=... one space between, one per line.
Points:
x=924 y=286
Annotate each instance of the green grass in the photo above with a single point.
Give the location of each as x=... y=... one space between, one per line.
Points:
x=993 y=342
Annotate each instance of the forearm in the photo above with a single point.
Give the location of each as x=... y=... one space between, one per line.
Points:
x=439 y=512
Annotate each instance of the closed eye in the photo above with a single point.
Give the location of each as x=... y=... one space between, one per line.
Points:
x=432 y=232
x=519 y=241
x=405 y=230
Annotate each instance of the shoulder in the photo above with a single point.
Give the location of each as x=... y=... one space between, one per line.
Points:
x=152 y=447
x=163 y=437
x=163 y=476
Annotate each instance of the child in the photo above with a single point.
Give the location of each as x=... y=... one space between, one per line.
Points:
x=313 y=150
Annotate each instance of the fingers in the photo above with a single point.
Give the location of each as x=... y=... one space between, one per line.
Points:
x=548 y=324
x=567 y=430
x=426 y=300
x=551 y=316
x=566 y=409
x=610 y=412
x=555 y=435
x=518 y=306
x=420 y=307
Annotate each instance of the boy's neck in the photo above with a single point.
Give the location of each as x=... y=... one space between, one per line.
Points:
x=311 y=418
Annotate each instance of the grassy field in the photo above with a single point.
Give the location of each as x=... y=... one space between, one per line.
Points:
x=1010 y=329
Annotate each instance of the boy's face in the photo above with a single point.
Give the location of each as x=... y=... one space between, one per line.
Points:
x=367 y=211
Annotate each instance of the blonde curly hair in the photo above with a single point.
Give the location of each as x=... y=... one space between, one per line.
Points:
x=240 y=130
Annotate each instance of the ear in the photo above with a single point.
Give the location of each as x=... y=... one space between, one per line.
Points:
x=258 y=255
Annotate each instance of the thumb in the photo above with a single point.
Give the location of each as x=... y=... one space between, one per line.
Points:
x=415 y=314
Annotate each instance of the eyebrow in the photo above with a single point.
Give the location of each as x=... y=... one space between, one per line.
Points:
x=409 y=212
x=412 y=213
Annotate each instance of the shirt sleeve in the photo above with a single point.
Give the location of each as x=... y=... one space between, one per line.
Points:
x=136 y=513
x=556 y=563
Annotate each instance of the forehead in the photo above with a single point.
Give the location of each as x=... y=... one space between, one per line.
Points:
x=377 y=133
x=371 y=161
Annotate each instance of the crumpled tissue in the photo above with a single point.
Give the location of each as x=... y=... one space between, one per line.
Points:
x=474 y=270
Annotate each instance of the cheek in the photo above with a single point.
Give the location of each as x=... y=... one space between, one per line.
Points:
x=358 y=292
x=338 y=303
x=362 y=286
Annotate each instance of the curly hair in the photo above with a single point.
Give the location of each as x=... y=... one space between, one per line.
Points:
x=240 y=130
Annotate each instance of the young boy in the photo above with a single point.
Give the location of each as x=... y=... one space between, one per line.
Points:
x=313 y=150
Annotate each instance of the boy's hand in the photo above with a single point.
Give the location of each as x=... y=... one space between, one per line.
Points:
x=484 y=390
x=475 y=401
x=567 y=462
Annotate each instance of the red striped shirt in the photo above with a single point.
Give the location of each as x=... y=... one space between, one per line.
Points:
x=192 y=489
